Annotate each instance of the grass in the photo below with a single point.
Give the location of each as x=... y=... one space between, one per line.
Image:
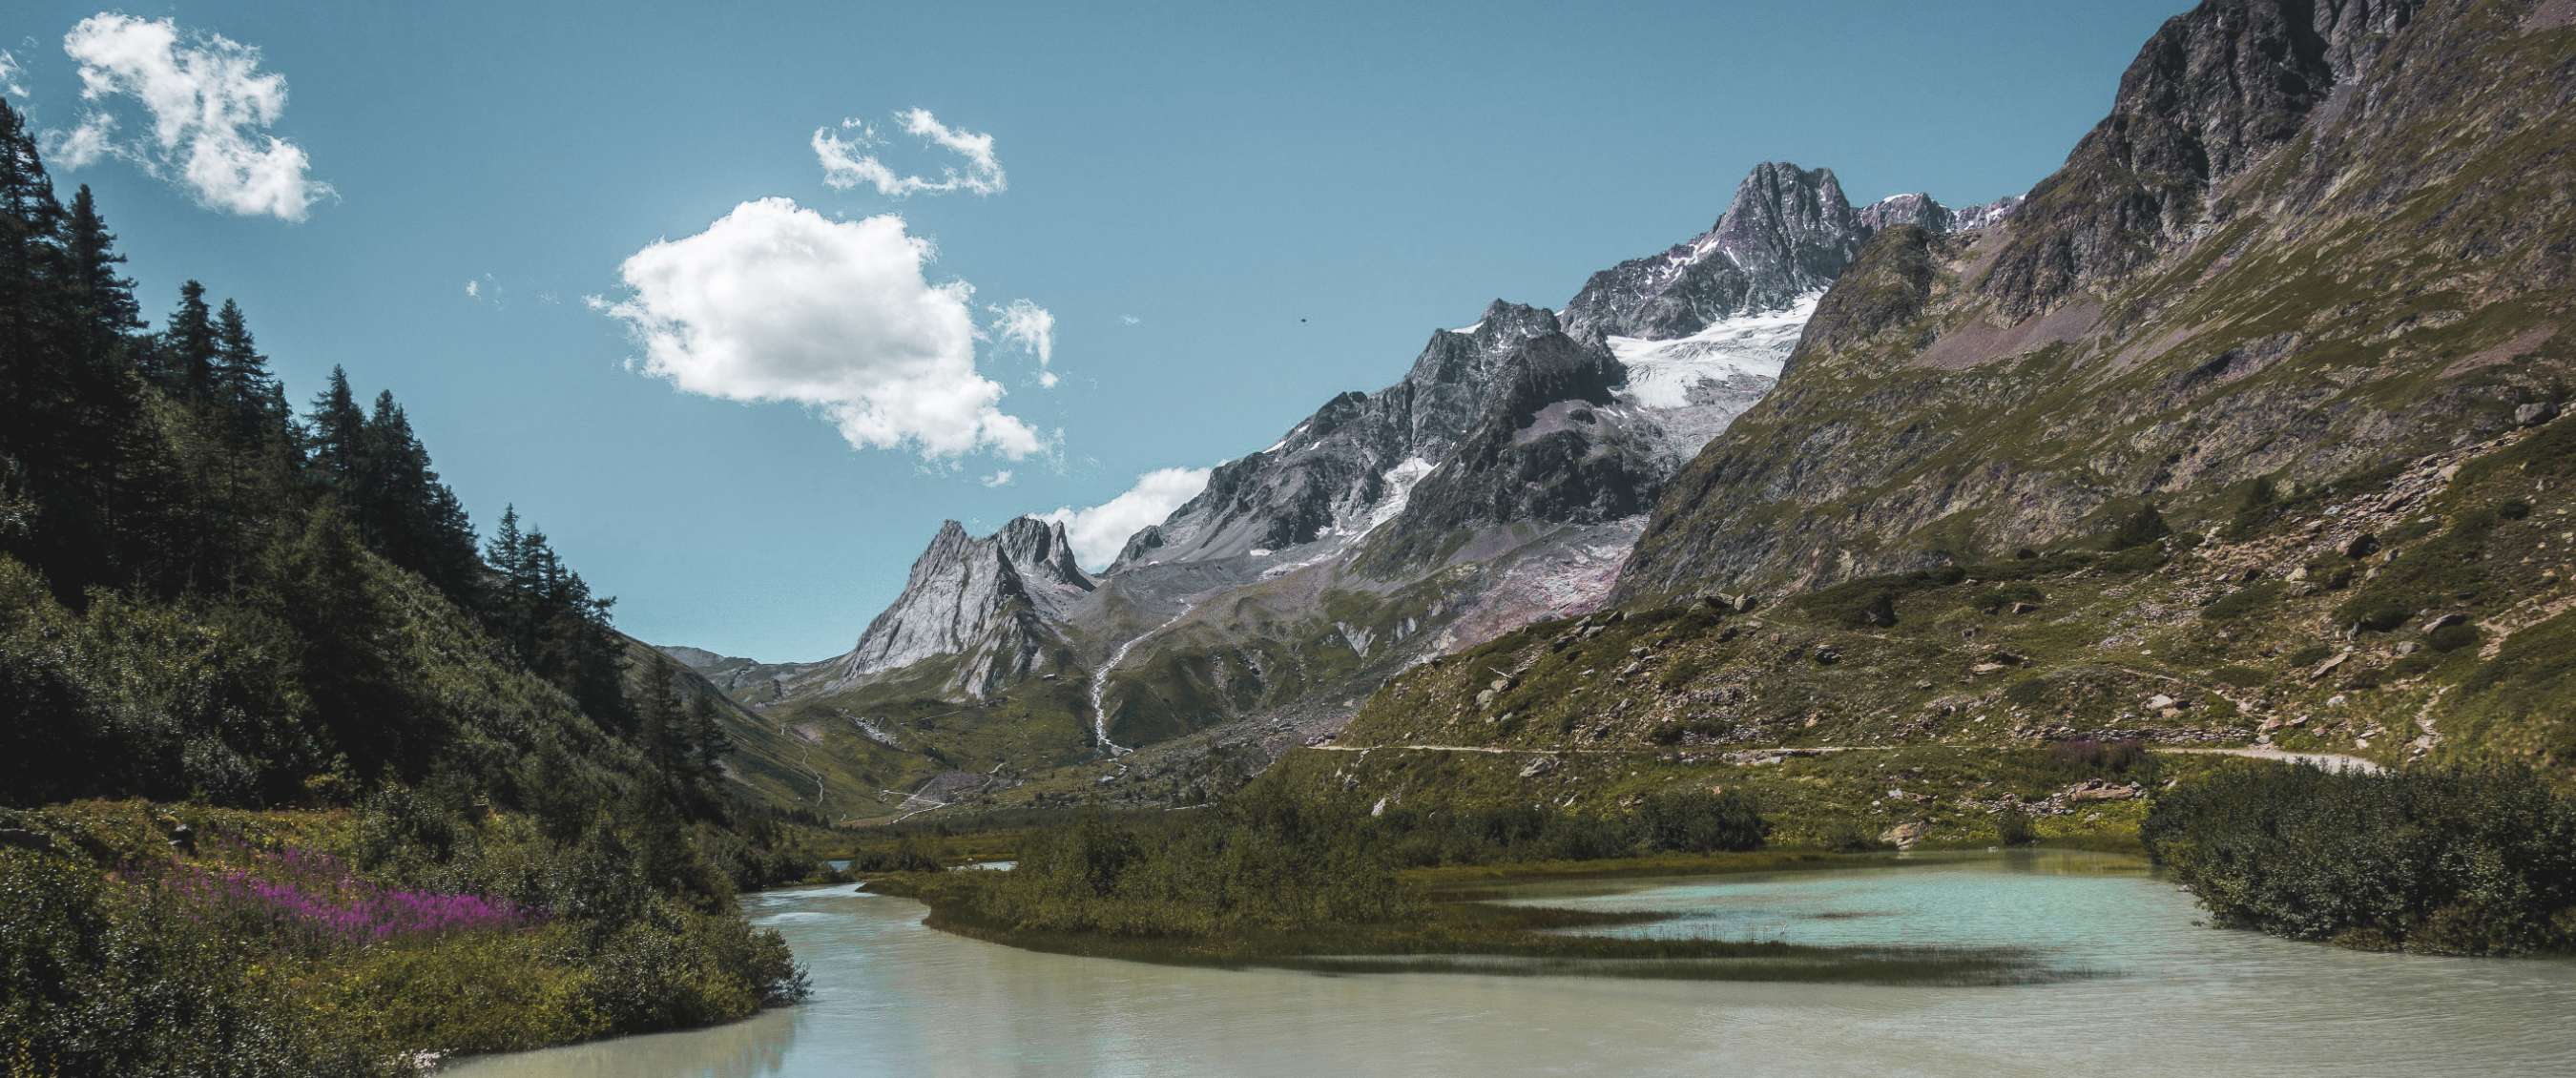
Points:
x=1456 y=931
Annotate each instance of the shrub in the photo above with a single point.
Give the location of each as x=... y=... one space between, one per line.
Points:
x=2462 y=861
x=2013 y=827
x=2241 y=602
x=2380 y=615
x=1850 y=837
x=1697 y=821
x=2452 y=637
x=2136 y=528
x=2090 y=758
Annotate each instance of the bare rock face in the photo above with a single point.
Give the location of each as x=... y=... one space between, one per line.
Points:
x=1526 y=415
x=2213 y=92
x=989 y=601
x=1787 y=233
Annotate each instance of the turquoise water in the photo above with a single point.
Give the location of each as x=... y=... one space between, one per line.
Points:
x=892 y=997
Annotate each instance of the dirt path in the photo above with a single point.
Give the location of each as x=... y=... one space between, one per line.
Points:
x=2326 y=760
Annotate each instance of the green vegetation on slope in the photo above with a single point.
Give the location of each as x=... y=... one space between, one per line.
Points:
x=396 y=776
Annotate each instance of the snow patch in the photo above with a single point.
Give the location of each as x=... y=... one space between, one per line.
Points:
x=1661 y=374
x=1399 y=481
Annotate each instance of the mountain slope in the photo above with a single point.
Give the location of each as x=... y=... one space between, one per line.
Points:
x=2308 y=240
x=2242 y=435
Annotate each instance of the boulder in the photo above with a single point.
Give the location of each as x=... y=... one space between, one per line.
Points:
x=2535 y=413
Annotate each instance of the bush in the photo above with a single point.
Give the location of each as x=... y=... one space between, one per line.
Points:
x=2458 y=861
x=2091 y=758
x=2013 y=827
x=2241 y=602
x=112 y=981
x=1852 y=838
x=1697 y=821
x=2379 y=615
x=2452 y=637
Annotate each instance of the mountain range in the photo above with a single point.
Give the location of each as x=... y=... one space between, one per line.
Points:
x=2312 y=267
x=1502 y=479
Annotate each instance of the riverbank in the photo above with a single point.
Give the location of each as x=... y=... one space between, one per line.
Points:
x=366 y=941
x=2166 y=995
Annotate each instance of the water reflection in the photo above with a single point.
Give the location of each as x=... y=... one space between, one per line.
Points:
x=893 y=997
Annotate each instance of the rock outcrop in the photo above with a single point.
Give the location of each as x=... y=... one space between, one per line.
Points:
x=990 y=603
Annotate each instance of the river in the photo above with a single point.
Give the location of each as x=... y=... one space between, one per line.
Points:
x=2165 y=996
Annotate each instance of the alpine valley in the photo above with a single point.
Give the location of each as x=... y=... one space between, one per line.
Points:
x=2041 y=635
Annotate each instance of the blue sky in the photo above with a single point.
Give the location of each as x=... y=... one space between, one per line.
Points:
x=1231 y=212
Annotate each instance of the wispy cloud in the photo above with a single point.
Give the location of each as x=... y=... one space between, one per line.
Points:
x=1032 y=329
x=12 y=77
x=1001 y=477
x=1130 y=320
x=848 y=160
x=210 y=108
x=775 y=302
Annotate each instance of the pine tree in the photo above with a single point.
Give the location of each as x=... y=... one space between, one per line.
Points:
x=31 y=290
x=102 y=300
x=188 y=347
x=242 y=382
x=662 y=724
x=708 y=743
x=338 y=432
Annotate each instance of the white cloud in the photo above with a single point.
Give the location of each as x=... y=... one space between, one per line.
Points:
x=84 y=145
x=473 y=289
x=1001 y=477
x=210 y=106
x=1130 y=320
x=774 y=302
x=1099 y=532
x=845 y=165
x=1032 y=329
x=11 y=74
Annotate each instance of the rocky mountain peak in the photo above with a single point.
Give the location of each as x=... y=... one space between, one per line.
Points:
x=1786 y=233
x=1793 y=222
x=1040 y=553
x=1917 y=209
x=964 y=593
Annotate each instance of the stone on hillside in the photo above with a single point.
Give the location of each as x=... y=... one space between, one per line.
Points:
x=2445 y=621
x=2535 y=414
x=2361 y=546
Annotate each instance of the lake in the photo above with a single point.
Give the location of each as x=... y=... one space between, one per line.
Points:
x=2159 y=994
